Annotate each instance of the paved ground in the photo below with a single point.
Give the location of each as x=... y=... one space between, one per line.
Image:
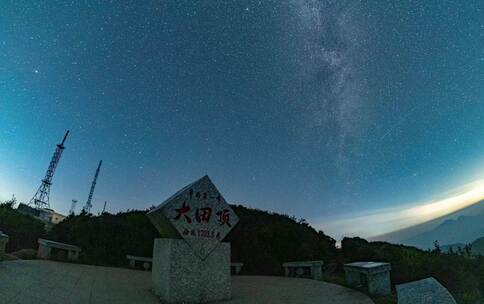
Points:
x=45 y=282
x=269 y=290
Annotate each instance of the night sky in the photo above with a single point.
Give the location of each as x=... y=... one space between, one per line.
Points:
x=317 y=109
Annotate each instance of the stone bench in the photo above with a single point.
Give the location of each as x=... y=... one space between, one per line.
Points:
x=426 y=291
x=3 y=244
x=236 y=268
x=147 y=262
x=311 y=269
x=373 y=276
x=57 y=251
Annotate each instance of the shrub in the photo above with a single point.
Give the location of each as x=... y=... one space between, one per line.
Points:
x=23 y=230
x=262 y=241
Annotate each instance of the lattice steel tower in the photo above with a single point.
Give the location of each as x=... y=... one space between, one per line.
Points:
x=88 y=205
x=41 y=197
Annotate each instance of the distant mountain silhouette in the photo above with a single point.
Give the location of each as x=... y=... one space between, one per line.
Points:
x=465 y=229
x=477 y=247
x=455 y=247
x=463 y=226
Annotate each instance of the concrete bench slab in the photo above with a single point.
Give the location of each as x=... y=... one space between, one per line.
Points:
x=426 y=291
x=312 y=269
x=147 y=262
x=373 y=276
x=236 y=267
x=50 y=249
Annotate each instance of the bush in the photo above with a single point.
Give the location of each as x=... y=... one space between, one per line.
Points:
x=108 y=238
x=23 y=230
x=262 y=241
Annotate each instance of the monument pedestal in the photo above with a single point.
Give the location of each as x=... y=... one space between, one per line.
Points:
x=181 y=276
x=190 y=264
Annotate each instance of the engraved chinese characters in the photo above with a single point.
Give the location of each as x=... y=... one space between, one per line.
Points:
x=199 y=214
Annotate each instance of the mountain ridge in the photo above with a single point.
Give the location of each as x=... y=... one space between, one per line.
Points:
x=477 y=247
x=462 y=226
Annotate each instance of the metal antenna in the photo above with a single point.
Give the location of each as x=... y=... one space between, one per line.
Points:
x=88 y=205
x=41 y=197
x=73 y=206
x=104 y=208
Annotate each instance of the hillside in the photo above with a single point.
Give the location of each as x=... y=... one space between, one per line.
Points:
x=261 y=240
x=478 y=246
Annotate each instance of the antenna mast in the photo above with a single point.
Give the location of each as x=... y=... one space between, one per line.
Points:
x=88 y=205
x=73 y=207
x=41 y=197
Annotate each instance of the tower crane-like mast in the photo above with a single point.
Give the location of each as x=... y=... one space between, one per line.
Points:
x=41 y=197
x=88 y=205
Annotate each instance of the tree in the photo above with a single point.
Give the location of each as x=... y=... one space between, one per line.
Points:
x=10 y=203
x=437 y=248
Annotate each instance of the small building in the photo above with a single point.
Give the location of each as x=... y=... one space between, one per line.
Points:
x=26 y=209
x=372 y=276
x=57 y=251
x=48 y=216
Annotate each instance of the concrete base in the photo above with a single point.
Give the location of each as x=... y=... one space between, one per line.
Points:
x=44 y=252
x=373 y=276
x=180 y=276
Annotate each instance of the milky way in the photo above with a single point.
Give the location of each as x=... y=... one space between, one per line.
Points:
x=310 y=108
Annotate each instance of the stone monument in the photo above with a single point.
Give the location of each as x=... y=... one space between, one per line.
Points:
x=190 y=262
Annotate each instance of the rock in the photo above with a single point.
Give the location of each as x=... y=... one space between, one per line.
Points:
x=426 y=291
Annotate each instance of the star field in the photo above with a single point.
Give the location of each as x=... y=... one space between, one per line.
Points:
x=310 y=108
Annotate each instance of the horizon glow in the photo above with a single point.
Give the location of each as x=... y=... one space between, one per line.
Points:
x=381 y=221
